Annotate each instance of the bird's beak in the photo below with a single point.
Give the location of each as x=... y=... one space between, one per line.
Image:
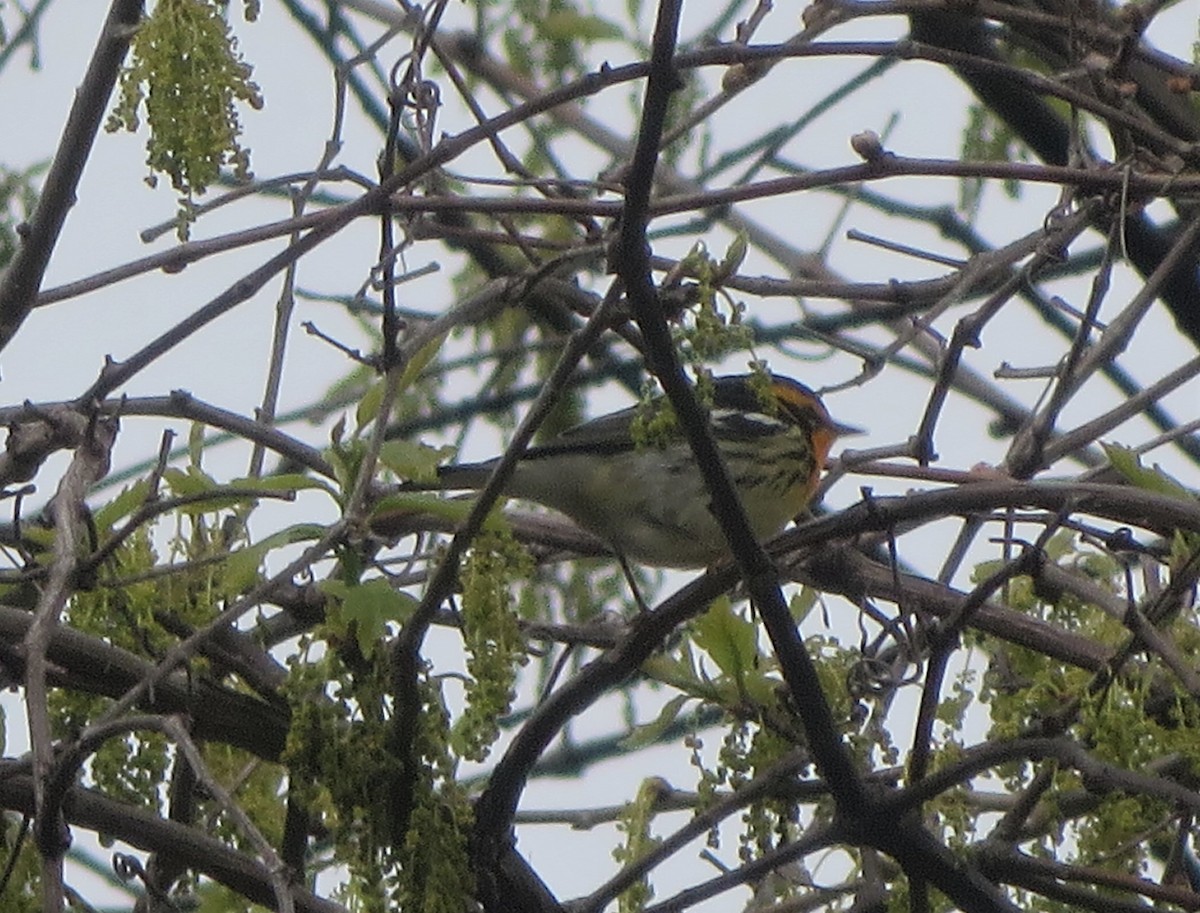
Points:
x=841 y=430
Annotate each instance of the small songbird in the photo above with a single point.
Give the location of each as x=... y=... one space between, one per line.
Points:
x=647 y=500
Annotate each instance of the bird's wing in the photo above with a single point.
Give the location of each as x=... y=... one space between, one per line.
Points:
x=605 y=434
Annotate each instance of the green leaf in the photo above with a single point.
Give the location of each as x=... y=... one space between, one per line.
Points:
x=517 y=51
x=802 y=603
x=566 y=25
x=420 y=361
x=987 y=137
x=677 y=671
x=731 y=641
x=186 y=483
x=1129 y=465
x=291 y=481
x=196 y=444
x=697 y=262
x=241 y=568
x=290 y=535
x=414 y=460
x=345 y=460
x=121 y=506
x=650 y=733
x=193 y=482
x=368 y=406
x=681 y=673
x=734 y=256
x=370 y=606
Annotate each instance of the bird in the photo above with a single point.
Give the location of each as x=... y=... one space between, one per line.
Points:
x=646 y=499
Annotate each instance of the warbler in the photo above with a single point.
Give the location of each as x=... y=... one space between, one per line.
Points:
x=648 y=500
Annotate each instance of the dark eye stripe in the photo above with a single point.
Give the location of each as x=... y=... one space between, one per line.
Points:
x=744 y=425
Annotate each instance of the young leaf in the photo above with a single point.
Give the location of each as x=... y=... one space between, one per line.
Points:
x=650 y=733
x=413 y=460
x=368 y=406
x=369 y=606
x=1129 y=465
x=122 y=505
x=420 y=361
x=188 y=482
x=731 y=641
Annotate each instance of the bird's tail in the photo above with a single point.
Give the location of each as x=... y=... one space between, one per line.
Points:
x=464 y=476
x=407 y=509
x=454 y=477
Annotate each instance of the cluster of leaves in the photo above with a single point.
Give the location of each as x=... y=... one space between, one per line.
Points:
x=635 y=822
x=18 y=194
x=339 y=750
x=550 y=39
x=343 y=771
x=492 y=637
x=338 y=759
x=654 y=423
x=142 y=601
x=1136 y=719
x=760 y=728
x=713 y=326
x=188 y=73
x=24 y=866
x=987 y=137
x=436 y=875
x=140 y=609
x=258 y=787
x=747 y=750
